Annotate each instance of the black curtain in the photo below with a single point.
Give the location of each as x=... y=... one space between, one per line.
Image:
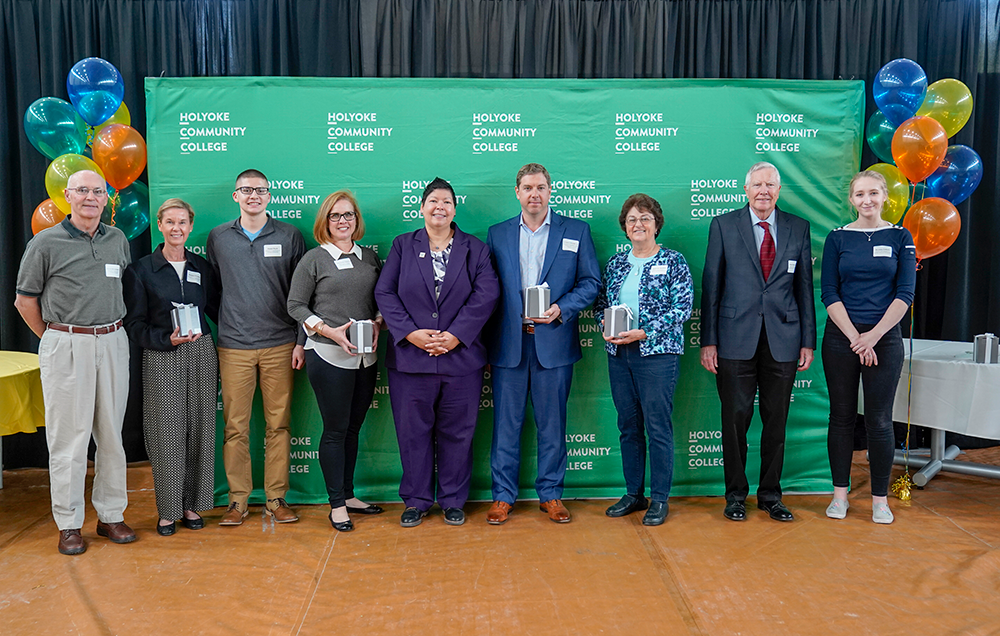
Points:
x=40 y=40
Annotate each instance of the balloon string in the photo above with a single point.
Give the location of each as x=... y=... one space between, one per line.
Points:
x=909 y=392
x=115 y=201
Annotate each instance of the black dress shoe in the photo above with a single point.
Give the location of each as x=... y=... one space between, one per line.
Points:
x=166 y=531
x=412 y=517
x=193 y=524
x=735 y=511
x=370 y=509
x=656 y=514
x=776 y=510
x=454 y=516
x=342 y=526
x=627 y=505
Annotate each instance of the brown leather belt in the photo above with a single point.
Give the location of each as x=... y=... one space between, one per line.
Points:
x=529 y=327
x=90 y=331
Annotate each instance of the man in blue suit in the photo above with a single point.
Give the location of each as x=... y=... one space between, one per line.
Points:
x=535 y=355
x=758 y=327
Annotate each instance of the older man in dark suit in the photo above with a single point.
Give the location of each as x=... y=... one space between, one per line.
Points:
x=758 y=328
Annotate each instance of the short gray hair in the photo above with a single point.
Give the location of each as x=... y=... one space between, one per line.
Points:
x=757 y=167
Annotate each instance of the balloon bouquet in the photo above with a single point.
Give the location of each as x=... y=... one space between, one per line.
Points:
x=910 y=133
x=92 y=133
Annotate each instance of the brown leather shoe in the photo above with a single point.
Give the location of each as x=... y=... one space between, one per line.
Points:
x=70 y=542
x=498 y=513
x=117 y=532
x=556 y=510
x=234 y=516
x=278 y=509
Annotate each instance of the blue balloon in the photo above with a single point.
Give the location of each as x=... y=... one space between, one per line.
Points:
x=958 y=176
x=96 y=89
x=899 y=90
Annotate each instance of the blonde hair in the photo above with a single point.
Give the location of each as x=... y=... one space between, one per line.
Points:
x=170 y=204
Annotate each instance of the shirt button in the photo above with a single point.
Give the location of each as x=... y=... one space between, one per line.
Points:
x=760 y=313
x=434 y=315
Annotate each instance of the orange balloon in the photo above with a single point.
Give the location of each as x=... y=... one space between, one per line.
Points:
x=934 y=224
x=918 y=146
x=121 y=153
x=46 y=215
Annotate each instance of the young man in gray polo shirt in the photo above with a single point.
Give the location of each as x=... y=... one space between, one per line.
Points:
x=254 y=257
x=69 y=292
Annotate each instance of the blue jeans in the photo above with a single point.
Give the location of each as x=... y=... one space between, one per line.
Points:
x=642 y=388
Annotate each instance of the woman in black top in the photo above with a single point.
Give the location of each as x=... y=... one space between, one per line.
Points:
x=180 y=370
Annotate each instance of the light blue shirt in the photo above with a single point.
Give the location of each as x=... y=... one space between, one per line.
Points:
x=629 y=293
x=531 y=250
x=252 y=235
x=758 y=231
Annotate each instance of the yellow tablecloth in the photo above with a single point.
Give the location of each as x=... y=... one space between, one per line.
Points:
x=21 y=407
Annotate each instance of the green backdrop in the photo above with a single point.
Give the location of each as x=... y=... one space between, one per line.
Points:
x=687 y=143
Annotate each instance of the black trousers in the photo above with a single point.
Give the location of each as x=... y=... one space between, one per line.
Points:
x=843 y=370
x=343 y=396
x=738 y=382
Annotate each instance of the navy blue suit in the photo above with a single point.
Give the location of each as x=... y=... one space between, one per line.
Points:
x=435 y=400
x=539 y=364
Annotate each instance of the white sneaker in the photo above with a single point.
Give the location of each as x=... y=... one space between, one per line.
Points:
x=837 y=508
x=881 y=513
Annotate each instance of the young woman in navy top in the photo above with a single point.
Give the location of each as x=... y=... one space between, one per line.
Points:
x=869 y=271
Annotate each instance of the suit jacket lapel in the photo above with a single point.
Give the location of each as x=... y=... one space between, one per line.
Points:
x=745 y=228
x=514 y=245
x=556 y=231
x=456 y=262
x=781 y=227
x=421 y=245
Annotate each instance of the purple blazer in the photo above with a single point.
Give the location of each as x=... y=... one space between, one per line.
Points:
x=405 y=296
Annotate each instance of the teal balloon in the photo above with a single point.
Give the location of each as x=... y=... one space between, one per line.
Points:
x=54 y=127
x=879 y=132
x=131 y=209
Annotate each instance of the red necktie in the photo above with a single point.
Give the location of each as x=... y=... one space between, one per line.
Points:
x=766 y=251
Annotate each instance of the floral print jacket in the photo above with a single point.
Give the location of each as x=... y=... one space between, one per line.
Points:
x=666 y=295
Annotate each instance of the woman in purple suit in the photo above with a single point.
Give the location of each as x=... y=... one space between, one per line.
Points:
x=436 y=292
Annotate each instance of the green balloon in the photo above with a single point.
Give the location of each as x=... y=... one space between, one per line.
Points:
x=879 y=132
x=128 y=209
x=53 y=126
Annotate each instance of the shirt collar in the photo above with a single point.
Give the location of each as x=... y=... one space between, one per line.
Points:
x=336 y=252
x=75 y=232
x=547 y=221
x=756 y=219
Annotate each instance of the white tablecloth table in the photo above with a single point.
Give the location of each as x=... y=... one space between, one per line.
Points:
x=949 y=392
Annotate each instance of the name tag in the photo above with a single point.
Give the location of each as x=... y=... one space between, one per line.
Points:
x=344 y=263
x=272 y=250
x=194 y=277
x=570 y=245
x=791 y=266
x=658 y=270
x=112 y=270
x=884 y=251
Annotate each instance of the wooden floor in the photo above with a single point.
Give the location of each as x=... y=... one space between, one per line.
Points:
x=936 y=570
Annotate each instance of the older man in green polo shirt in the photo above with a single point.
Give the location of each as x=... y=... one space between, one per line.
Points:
x=69 y=292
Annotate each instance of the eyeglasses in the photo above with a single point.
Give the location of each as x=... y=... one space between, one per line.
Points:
x=247 y=190
x=84 y=191
x=333 y=216
x=645 y=220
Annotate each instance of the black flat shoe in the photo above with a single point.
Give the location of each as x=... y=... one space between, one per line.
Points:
x=193 y=524
x=656 y=514
x=735 y=511
x=776 y=510
x=370 y=509
x=342 y=526
x=454 y=516
x=412 y=517
x=627 y=505
x=166 y=531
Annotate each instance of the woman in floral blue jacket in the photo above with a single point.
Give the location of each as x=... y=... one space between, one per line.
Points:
x=655 y=284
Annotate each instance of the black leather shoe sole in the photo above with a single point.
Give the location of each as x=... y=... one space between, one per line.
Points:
x=656 y=514
x=370 y=509
x=454 y=516
x=776 y=510
x=626 y=506
x=735 y=511
x=166 y=531
x=412 y=517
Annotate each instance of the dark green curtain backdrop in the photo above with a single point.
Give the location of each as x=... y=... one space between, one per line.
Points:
x=784 y=39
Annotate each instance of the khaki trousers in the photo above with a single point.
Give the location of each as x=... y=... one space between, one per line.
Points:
x=238 y=371
x=85 y=388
